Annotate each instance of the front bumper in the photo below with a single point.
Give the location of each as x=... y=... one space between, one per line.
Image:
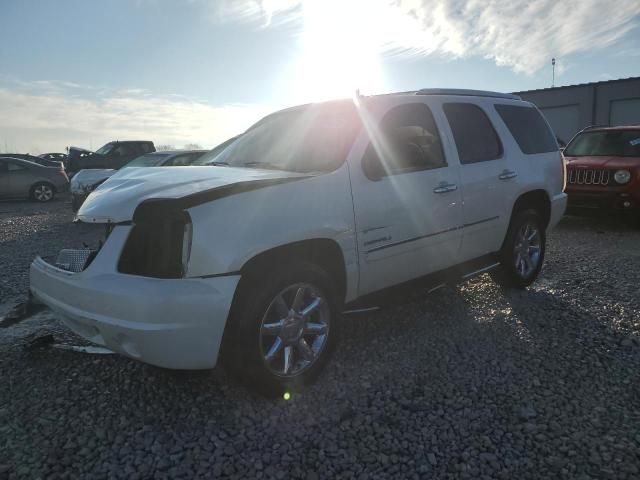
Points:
x=604 y=200
x=171 y=323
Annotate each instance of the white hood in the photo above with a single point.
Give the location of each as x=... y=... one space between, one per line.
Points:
x=116 y=199
x=82 y=181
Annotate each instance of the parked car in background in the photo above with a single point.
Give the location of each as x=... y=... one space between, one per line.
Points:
x=86 y=181
x=45 y=162
x=603 y=169
x=60 y=157
x=21 y=179
x=309 y=210
x=112 y=155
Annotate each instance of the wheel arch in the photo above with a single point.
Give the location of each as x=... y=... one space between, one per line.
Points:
x=535 y=199
x=324 y=252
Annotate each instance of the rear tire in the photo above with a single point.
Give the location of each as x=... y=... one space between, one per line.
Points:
x=522 y=253
x=42 y=192
x=271 y=345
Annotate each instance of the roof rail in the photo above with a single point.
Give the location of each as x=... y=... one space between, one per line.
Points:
x=464 y=92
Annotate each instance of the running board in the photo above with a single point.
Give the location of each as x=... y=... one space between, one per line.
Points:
x=480 y=271
x=418 y=288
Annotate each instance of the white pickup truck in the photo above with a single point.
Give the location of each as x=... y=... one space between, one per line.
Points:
x=311 y=210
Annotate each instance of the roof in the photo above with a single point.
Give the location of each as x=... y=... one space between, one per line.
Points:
x=603 y=82
x=465 y=92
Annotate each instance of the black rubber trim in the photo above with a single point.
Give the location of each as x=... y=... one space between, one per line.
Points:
x=408 y=240
x=198 y=198
x=481 y=221
x=215 y=275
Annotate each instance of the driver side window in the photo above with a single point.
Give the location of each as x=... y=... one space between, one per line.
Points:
x=408 y=141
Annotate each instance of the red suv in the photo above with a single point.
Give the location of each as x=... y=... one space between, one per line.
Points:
x=603 y=168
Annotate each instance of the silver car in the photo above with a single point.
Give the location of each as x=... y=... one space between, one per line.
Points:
x=22 y=179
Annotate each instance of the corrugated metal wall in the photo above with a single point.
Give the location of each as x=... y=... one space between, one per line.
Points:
x=569 y=109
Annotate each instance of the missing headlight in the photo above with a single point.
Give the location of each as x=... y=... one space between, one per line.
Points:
x=159 y=242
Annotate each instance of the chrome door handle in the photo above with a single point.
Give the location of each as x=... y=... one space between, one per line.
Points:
x=507 y=174
x=445 y=187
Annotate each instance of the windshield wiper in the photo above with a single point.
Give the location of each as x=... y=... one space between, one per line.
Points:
x=218 y=164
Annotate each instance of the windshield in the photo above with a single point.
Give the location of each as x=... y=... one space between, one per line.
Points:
x=103 y=150
x=210 y=156
x=614 y=143
x=310 y=139
x=148 y=160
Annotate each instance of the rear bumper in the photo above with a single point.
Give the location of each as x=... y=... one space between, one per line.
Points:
x=176 y=323
x=558 y=209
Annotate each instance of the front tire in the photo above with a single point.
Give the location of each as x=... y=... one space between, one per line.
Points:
x=523 y=250
x=42 y=192
x=283 y=328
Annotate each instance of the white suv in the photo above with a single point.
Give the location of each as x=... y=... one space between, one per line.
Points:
x=313 y=209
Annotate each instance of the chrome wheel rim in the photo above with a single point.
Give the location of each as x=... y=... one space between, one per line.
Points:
x=294 y=330
x=527 y=249
x=43 y=193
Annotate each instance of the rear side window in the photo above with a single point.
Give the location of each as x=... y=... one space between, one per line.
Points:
x=409 y=142
x=528 y=128
x=475 y=137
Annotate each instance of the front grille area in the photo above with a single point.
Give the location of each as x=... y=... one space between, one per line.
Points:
x=74 y=260
x=584 y=176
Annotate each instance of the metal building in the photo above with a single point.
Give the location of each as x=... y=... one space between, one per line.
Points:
x=571 y=108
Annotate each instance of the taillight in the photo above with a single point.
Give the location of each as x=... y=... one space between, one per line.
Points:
x=563 y=168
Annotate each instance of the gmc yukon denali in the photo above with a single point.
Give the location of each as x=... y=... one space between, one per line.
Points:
x=312 y=210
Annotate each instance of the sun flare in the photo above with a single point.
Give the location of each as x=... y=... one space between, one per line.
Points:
x=339 y=51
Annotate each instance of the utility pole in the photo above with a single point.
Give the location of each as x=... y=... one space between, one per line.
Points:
x=553 y=72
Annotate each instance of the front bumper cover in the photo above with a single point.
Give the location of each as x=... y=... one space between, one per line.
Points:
x=171 y=323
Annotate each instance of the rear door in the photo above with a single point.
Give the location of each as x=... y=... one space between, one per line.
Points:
x=406 y=197
x=485 y=175
x=19 y=178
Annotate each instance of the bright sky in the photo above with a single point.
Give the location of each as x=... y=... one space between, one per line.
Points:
x=77 y=72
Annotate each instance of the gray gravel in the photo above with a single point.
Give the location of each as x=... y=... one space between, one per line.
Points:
x=471 y=382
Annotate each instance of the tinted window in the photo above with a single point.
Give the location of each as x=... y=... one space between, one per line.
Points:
x=148 y=160
x=409 y=141
x=475 y=137
x=125 y=150
x=615 y=143
x=528 y=128
x=180 y=161
x=13 y=167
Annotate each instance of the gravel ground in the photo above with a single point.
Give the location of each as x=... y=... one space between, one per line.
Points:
x=470 y=382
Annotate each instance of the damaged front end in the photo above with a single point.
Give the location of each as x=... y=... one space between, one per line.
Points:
x=131 y=295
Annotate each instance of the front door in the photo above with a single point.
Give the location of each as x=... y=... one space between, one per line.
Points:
x=407 y=198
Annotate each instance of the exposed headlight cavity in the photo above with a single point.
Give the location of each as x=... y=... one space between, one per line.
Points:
x=622 y=176
x=159 y=244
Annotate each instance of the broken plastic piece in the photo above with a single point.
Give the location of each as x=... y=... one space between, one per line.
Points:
x=84 y=349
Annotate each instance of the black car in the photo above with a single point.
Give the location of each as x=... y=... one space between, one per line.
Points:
x=45 y=162
x=111 y=155
x=59 y=157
